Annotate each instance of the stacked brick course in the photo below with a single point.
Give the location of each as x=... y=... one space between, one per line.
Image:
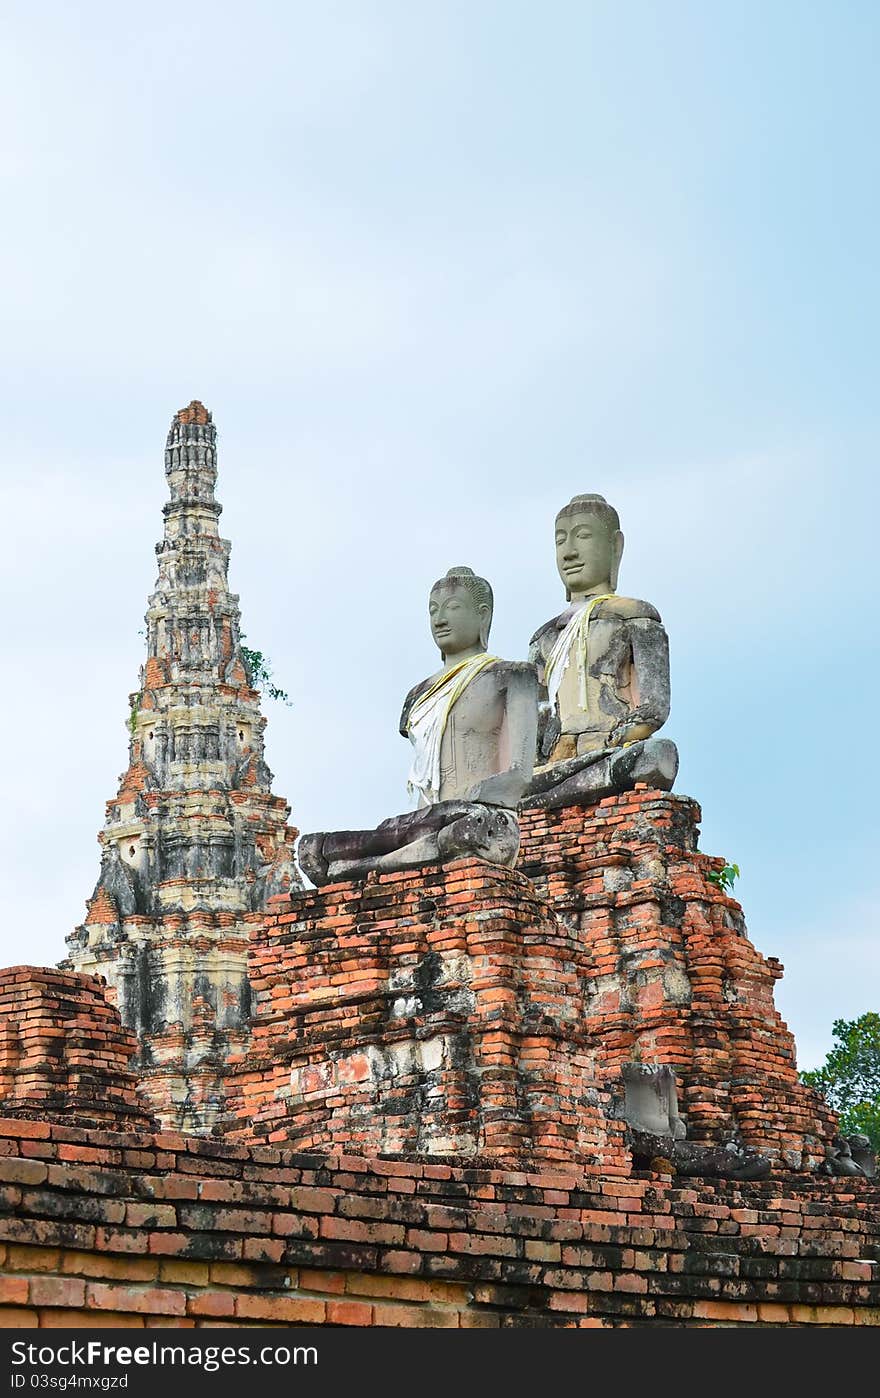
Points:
x=434 y=1012
x=673 y=976
x=114 y=1229
x=64 y=1054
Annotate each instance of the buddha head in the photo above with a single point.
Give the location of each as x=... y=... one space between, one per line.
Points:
x=589 y=545
x=460 y=609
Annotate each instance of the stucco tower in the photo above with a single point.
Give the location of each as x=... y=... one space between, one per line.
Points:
x=194 y=841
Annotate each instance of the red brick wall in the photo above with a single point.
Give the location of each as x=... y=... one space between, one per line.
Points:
x=435 y=1012
x=110 y=1229
x=673 y=977
x=63 y=1052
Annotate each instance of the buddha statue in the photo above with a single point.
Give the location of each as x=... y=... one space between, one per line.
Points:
x=473 y=727
x=603 y=670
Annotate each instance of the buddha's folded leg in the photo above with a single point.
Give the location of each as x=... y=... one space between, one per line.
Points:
x=556 y=772
x=323 y=853
x=392 y=834
x=417 y=852
x=653 y=761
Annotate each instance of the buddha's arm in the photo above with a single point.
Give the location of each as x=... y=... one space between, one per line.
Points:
x=548 y=719
x=650 y=682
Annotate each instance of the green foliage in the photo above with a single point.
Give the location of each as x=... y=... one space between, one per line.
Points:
x=260 y=670
x=724 y=877
x=849 y=1079
x=133 y=719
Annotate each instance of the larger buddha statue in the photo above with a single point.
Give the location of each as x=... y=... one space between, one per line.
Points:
x=603 y=668
x=473 y=727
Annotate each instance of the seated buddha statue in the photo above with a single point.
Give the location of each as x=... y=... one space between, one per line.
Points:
x=603 y=671
x=473 y=728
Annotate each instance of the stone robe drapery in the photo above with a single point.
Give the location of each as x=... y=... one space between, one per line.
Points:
x=427 y=721
x=572 y=638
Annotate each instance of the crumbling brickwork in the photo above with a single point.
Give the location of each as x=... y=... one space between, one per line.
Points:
x=673 y=976
x=64 y=1055
x=114 y=1229
x=434 y=1012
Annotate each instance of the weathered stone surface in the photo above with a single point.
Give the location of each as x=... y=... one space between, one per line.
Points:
x=603 y=669
x=445 y=831
x=732 y=1161
x=194 y=842
x=651 y=1100
x=863 y=1155
x=473 y=726
x=585 y=780
x=850 y=1155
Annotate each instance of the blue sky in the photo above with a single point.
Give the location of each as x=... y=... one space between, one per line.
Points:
x=435 y=268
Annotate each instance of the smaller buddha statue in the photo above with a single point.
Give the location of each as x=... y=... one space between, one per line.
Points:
x=473 y=727
x=603 y=668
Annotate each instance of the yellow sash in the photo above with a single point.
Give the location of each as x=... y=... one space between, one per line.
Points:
x=574 y=633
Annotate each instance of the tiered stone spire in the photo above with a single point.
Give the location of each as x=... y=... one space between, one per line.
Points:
x=194 y=841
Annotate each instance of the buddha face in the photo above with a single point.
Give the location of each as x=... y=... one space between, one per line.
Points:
x=587 y=553
x=458 y=624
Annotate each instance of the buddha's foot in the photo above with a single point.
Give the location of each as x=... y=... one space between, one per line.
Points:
x=581 y=781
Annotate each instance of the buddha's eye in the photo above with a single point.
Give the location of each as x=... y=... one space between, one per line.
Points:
x=585 y=533
x=560 y=539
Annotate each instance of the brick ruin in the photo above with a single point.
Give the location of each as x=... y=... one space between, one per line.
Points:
x=64 y=1054
x=673 y=977
x=396 y=1100
x=433 y=1014
x=116 y=1229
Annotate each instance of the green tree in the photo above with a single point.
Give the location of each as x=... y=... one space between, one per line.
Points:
x=849 y=1079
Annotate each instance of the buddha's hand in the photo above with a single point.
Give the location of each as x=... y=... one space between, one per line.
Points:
x=632 y=728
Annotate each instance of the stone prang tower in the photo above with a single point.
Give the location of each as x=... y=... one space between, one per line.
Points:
x=194 y=841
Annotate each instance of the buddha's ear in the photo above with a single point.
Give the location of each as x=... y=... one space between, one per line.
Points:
x=616 y=555
x=484 y=612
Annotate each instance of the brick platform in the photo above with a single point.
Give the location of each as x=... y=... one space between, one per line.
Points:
x=112 y=1229
x=673 y=976
x=434 y=1013
x=447 y=1046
